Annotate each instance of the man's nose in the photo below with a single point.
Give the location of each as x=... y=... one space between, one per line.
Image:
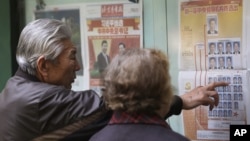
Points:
x=77 y=66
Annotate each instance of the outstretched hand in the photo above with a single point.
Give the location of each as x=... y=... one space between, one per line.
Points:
x=202 y=95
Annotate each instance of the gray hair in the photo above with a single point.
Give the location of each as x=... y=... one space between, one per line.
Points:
x=42 y=37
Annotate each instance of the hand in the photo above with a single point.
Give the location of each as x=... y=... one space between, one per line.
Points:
x=202 y=95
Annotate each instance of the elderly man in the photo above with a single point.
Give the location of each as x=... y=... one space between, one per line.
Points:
x=37 y=103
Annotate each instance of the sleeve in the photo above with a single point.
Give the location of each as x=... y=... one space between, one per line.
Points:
x=176 y=107
x=61 y=107
x=85 y=133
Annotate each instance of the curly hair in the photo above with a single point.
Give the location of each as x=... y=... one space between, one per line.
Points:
x=138 y=81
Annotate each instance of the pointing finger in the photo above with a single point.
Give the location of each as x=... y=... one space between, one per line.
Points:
x=213 y=85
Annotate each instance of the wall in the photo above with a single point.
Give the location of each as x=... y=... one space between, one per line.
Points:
x=173 y=46
x=5 y=59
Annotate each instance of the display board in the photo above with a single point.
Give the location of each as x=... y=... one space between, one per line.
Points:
x=213 y=48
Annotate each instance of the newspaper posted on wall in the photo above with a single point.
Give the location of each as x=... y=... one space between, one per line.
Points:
x=211 y=29
x=213 y=125
x=110 y=28
x=213 y=49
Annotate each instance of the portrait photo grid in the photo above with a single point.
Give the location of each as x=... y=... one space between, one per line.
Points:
x=222 y=53
x=231 y=97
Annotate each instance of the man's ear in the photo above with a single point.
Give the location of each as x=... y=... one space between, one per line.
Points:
x=42 y=67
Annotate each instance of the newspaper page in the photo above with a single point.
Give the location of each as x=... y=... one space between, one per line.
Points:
x=213 y=49
x=211 y=29
x=203 y=124
x=110 y=27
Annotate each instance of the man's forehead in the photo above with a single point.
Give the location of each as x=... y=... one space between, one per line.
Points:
x=68 y=44
x=69 y=48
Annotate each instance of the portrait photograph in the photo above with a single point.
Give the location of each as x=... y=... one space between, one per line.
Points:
x=212 y=25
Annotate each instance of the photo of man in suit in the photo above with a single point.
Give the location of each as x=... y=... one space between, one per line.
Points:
x=221 y=63
x=212 y=48
x=220 y=47
x=121 y=46
x=228 y=48
x=229 y=63
x=236 y=48
x=212 y=63
x=240 y=80
x=103 y=58
x=212 y=26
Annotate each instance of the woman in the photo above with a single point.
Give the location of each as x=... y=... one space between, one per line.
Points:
x=139 y=91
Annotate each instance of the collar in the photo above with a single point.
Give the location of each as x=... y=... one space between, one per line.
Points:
x=125 y=118
x=25 y=75
x=104 y=54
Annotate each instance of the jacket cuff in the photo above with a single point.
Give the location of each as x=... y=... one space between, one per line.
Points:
x=176 y=106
